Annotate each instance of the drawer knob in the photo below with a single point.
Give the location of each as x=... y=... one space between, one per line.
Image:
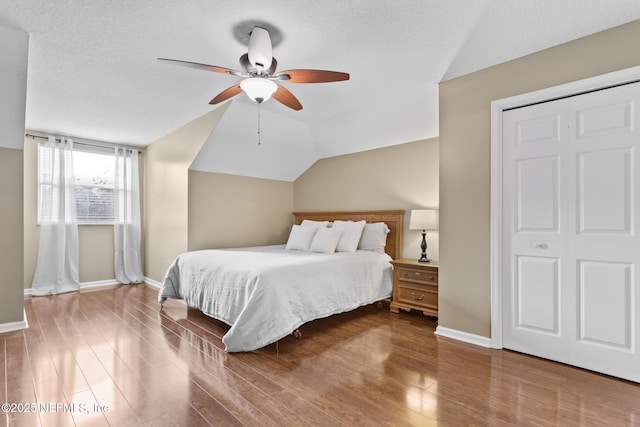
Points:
x=417 y=273
x=430 y=277
x=420 y=298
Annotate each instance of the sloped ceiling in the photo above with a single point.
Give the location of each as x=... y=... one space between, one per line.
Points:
x=236 y=148
x=93 y=71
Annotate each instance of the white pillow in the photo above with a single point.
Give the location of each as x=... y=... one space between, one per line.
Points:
x=351 y=232
x=325 y=240
x=374 y=237
x=312 y=223
x=300 y=238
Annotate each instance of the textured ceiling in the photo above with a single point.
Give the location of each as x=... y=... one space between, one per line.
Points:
x=93 y=71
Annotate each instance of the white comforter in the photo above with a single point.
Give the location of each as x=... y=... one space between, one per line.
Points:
x=266 y=292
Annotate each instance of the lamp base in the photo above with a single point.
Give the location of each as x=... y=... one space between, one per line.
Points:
x=423 y=246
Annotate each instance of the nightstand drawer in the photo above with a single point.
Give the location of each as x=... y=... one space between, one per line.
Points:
x=426 y=296
x=417 y=276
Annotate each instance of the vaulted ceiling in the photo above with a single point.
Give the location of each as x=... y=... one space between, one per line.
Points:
x=93 y=71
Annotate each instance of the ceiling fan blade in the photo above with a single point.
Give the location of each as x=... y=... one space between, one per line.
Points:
x=205 y=67
x=284 y=96
x=226 y=94
x=312 y=76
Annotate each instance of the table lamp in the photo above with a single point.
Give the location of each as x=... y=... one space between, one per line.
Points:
x=423 y=219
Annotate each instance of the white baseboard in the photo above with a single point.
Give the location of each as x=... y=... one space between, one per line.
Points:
x=153 y=283
x=15 y=326
x=463 y=336
x=83 y=286
x=98 y=284
x=102 y=283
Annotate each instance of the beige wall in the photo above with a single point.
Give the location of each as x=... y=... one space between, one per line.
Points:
x=234 y=211
x=166 y=204
x=402 y=176
x=465 y=159
x=11 y=243
x=14 y=46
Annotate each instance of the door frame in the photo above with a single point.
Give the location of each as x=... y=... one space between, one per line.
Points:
x=497 y=107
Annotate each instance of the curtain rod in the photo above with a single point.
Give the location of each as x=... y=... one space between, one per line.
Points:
x=76 y=142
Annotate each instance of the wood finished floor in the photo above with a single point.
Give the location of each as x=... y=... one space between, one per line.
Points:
x=113 y=348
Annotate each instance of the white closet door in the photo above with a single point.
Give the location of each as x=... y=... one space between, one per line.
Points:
x=570 y=231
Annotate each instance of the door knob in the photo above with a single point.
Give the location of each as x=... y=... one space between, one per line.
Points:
x=539 y=245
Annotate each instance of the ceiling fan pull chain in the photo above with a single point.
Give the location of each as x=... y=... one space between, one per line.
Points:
x=259 y=136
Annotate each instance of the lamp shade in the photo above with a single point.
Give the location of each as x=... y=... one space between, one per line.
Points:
x=423 y=219
x=258 y=89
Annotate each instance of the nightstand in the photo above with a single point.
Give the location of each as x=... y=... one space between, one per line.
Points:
x=415 y=286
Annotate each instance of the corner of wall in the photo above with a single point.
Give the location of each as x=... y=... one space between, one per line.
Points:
x=166 y=187
x=13 y=86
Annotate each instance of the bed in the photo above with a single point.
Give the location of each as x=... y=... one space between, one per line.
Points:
x=267 y=292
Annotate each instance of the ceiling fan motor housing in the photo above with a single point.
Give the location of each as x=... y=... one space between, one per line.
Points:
x=260 y=51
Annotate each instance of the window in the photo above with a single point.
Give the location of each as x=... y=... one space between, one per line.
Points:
x=94 y=174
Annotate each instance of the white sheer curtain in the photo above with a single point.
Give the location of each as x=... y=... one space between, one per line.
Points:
x=128 y=264
x=57 y=267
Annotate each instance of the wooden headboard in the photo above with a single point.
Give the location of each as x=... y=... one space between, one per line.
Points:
x=393 y=219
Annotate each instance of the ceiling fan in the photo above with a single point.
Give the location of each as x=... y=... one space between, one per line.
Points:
x=259 y=74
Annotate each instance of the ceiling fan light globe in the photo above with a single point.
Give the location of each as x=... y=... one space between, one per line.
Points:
x=258 y=88
x=260 y=51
